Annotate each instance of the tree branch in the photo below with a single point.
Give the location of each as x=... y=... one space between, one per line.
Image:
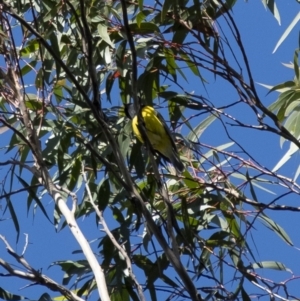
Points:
x=33 y=275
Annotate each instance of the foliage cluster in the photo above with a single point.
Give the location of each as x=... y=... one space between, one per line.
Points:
x=67 y=68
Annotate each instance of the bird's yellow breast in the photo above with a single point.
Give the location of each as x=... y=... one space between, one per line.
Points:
x=155 y=131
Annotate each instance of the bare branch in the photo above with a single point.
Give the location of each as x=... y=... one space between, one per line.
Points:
x=113 y=240
x=33 y=275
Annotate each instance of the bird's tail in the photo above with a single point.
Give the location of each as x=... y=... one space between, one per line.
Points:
x=175 y=160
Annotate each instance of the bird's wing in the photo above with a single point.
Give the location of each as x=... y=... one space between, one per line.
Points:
x=154 y=126
x=166 y=129
x=170 y=153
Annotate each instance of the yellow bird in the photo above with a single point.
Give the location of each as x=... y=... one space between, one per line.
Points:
x=157 y=132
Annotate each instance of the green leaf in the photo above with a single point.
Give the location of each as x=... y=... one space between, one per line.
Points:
x=186 y=220
x=166 y=7
x=192 y=65
x=292 y=123
x=45 y=297
x=79 y=292
x=273 y=8
x=276 y=105
x=124 y=141
x=296 y=65
x=143 y=262
x=6 y=295
x=120 y=295
x=233 y=226
x=32 y=103
x=274 y=265
x=254 y=181
x=28 y=67
x=117 y=213
x=292 y=106
x=189 y=180
x=144 y=28
x=179 y=35
x=195 y=134
x=210 y=153
x=111 y=77
x=251 y=187
x=292 y=149
x=39 y=79
x=55 y=48
x=228 y=5
x=140 y=17
x=276 y=228
x=287 y=31
x=102 y=30
x=245 y=296
x=31 y=47
x=141 y=4
x=72 y=268
x=13 y=216
x=137 y=160
x=75 y=173
x=204 y=260
x=171 y=64
x=58 y=90
x=103 y=194
x=287 y=84
x=24 y=150
x=32 y=195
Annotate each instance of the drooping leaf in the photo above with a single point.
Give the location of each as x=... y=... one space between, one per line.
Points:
x=6 y=295
x=287 y=31
x=13 y=215
x=276 y=228
x=271 y=4
x=274 y=265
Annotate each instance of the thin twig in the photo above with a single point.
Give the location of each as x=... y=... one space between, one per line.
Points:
x=33 y=275
x=112 y=238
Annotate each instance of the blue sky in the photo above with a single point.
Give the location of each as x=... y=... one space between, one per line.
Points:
x=260 y=33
